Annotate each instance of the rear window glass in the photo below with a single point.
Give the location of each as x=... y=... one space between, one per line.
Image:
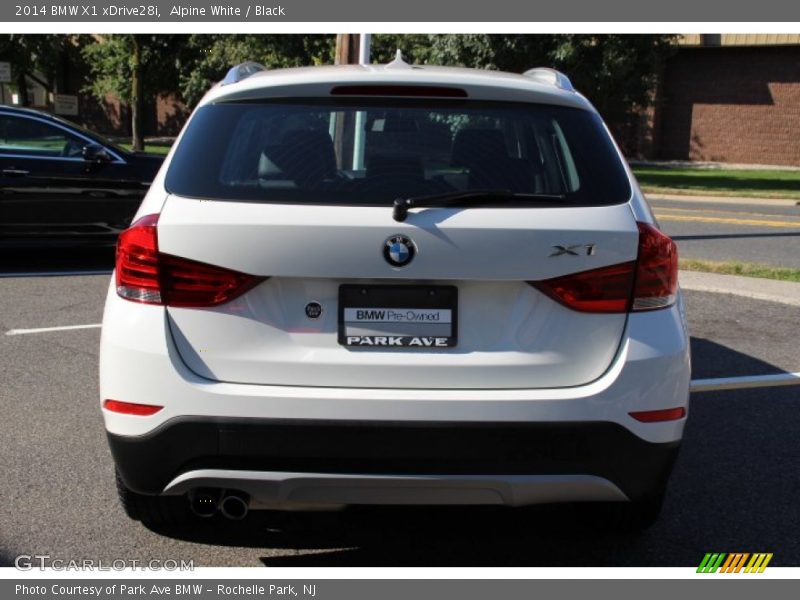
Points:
x=372 y=151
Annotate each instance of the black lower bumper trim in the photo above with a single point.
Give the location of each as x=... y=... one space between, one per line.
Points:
x=148 y=463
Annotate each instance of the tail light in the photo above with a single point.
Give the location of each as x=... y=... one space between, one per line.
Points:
x=649 y=283
x=605 y=290
x=656 y=270
x=146 y=275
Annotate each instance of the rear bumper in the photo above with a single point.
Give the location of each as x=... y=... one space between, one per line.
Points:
x=280 y=461
x=350 y=445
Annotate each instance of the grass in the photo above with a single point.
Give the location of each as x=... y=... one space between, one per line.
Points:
x=721 y=182
x=741 y=268
x=712 y=182
x=151 y=148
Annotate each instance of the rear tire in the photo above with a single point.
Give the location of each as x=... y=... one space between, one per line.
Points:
x=157 y=511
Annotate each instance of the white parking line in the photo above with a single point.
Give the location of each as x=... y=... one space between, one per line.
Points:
x=740 y=383
x=48 y=329
x=53 y=273
x=696 y=385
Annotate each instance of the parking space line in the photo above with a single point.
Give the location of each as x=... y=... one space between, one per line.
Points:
x=740 y=383
x=48 y=329
x=52 y=273
x=696 y=385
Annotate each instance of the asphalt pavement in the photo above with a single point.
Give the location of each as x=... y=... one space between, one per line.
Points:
x=747 y=230
x=734 y=487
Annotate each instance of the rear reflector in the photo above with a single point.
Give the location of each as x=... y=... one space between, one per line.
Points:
x=655 y=416
x=399 y=90
x=131 y=408
x=146 y=275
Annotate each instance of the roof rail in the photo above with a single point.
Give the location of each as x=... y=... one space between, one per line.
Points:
x=242 y=71
x=550 y=77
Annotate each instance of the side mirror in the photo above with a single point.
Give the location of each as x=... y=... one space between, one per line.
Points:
x=95 y=153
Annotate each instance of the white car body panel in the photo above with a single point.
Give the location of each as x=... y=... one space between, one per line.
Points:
x=140 y=363
x=510 y=334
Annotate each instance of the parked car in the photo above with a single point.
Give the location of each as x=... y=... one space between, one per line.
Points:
x=394 y=285
x=63 y=185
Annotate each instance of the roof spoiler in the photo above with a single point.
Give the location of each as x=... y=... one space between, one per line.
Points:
x=550 y=76
x=241 y=72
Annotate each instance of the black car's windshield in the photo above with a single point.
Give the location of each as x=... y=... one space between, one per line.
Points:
x=370 y=151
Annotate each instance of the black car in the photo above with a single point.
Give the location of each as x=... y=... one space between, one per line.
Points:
x=63 y=185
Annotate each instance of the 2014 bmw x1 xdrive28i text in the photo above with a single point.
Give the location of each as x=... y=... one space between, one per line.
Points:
x=393 y=285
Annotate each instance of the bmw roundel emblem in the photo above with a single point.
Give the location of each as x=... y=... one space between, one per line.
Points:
x=399 y=250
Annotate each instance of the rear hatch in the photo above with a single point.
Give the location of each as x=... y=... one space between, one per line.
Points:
x=300 y=193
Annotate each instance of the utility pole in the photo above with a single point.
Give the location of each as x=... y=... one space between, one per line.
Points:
x=347 y=45
x=137 y=97
x=351 y=49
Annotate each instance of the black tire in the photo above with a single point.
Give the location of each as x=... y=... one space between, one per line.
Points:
x=156 y=511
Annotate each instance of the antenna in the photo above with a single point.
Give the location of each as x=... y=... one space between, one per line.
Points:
x=398 y=62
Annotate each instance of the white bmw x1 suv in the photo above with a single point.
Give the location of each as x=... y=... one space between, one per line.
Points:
x=393 y=285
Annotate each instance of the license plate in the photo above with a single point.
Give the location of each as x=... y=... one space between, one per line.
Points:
x=398 y=316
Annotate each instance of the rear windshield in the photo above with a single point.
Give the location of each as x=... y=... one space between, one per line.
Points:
x=372 y=151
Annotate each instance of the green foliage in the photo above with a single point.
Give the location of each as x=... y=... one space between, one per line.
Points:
x=109 y=60
x=616 y=72
x=416 y=48
x=208 y=57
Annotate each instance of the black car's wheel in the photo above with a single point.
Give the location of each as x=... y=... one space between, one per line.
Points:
x=153 y=510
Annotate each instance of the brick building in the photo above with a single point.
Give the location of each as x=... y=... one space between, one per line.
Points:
x=728 y=98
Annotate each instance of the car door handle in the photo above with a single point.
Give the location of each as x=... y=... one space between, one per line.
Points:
x=15 y=172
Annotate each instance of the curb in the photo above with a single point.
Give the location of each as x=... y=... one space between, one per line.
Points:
x=770 y=290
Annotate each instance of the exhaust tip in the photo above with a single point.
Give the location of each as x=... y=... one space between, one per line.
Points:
x=204 y=503
x=234 y=506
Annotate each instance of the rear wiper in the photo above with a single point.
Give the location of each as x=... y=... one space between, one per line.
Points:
x=466 y=198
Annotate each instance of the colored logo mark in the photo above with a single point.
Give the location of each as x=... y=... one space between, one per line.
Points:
x=735 y=562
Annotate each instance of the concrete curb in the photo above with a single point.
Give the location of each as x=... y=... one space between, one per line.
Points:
x=783 y=292
x=692 y=199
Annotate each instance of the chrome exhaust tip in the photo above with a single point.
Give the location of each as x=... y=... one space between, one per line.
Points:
x=204 y=502
x=234 y=506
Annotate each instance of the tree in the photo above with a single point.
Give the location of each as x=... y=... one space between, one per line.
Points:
x=617 y=73
x=32 y=55
x=416 y=48
x=206 y=58
x=133 y=67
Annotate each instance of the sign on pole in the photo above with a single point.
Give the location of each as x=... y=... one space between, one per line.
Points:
x=5 y=72
x=65 y=104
